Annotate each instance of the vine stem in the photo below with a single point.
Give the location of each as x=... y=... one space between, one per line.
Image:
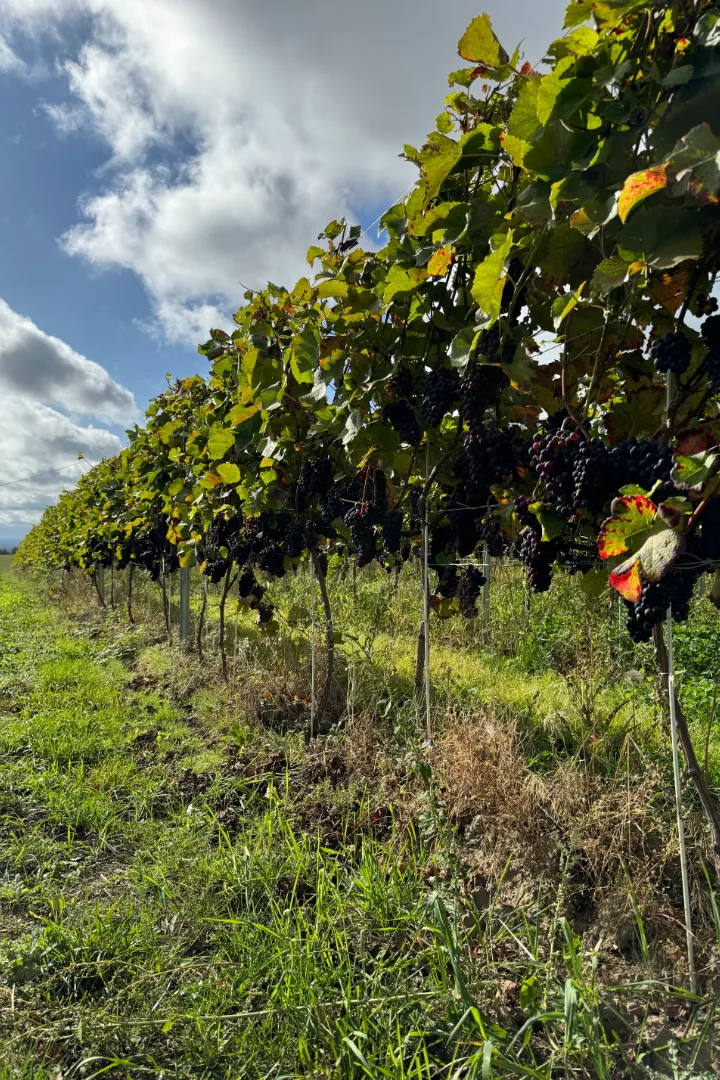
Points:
x=426 y=594
x=312 y=649
x=329 y=633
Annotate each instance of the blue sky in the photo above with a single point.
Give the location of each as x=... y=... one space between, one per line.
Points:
x=156 y=154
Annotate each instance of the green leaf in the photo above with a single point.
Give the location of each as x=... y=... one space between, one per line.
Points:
x=353 y=425
x=333 y=290
x=694 y=165
x=523 y=122
x=610 y=273
x=479 y=44
x=462 y=345
x=229 y=472
x=662 y=237
x=534 y=204
x=552 y=524
x=515 y=149
x=401 y=281
x=578 y=11
x=551 y=87
x=690 y=473
x=314 y=253
x=595 y=581
x=489 y=280
x=219 y=442
x=444 y=123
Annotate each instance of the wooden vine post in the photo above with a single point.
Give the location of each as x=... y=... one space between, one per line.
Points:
x=184 y=607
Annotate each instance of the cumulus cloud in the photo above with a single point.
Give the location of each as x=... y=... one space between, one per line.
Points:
x=8 y=60
x=41 y=375
x=41 y=367
x=236 y=131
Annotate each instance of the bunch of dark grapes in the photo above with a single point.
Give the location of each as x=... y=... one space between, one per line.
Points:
x=488 y=530
x=331 y=503
x=524 y=514
x=316 y=476
x=539 y=556
x=392 y=524
x=442 y=388
x=489 y=458
x=674 y=589
x=399 y=385
x=644 y=464
x=592 y=479
x=294 y=542
x=480 y=389
x=704 y=305
x=362 y=534
x=400 y=416
x=471 y=582
x=671 y=353
x=554 y=457
x=265 y=613
x=448 y=582
x=271 y=559
x=248 y=585
x=215 y=569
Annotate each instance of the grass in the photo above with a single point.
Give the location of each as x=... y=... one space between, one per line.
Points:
x=187 y=889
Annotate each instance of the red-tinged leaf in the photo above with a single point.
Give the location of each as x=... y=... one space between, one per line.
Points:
x=632 y=516
x=627 y=581
x=440 y=262
x=692 y=442
x=638 y=186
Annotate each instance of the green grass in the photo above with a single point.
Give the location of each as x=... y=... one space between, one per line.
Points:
x=184 y=893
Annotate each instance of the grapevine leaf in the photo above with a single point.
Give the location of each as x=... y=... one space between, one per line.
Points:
x=552 y=523
x=638 y=186
x=578 y=11
x=240 y=413
x=489 y=281
x=523 y=123
x=335 y=290
x=632 y=516
x=479 y=44
x=229 y=472
x=462 y=345
x=440 y=262
x=690 y=473
x=694 y=165
x=515 y=148
x=627 y=581
x=220 y=441
x=401 y=281
x=610 y=273
x=436 y=160
x=594 y=582
x=659 y=552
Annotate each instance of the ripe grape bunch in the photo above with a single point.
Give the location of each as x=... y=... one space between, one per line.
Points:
x=539 y=556
x=674 y=590
x=400 y=416
x=554 y=456
x=271 y=559
x=399 y=385
x=362 y=535
x=317 y=476
x=489 y=458
x=442 y=387
x=671 y=353
x=392 y=524
x=480 y=389
x=471 y=582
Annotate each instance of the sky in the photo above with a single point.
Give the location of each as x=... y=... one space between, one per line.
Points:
x=160 y=156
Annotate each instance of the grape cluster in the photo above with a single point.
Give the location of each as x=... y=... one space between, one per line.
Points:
x=448 y=582
x=316 y=476
x=442 y=388
x=471 y=582
x=362 y=534
x=400 y=416
x=489 y=532
x=539 y=556
x=671 y=353
x=215 y=569
x=271 y=559
x=480 y=389
x=704 y=304
x=642 y=463
x=592 y=480
x=488 y=458
x=248 y=585
x=553 y=456
x=392 y=524
x=675 y=588
x=399 y=385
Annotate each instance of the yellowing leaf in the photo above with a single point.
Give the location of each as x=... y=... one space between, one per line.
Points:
x=440 y=262
x=480 y=45
x=626 y=579
x=638 y=186
x=229 y=472
x=489 y=280
x=632 y=516
x=240 y=413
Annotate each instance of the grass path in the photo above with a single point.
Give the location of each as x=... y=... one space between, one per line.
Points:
x=166 y=912
x=183 y=896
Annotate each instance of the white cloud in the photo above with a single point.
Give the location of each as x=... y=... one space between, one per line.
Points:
x=43 y=368
x=8 y=60
x=39 y=376
x=271 y=118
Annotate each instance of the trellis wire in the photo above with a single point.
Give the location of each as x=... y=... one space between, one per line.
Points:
x=678 y=804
